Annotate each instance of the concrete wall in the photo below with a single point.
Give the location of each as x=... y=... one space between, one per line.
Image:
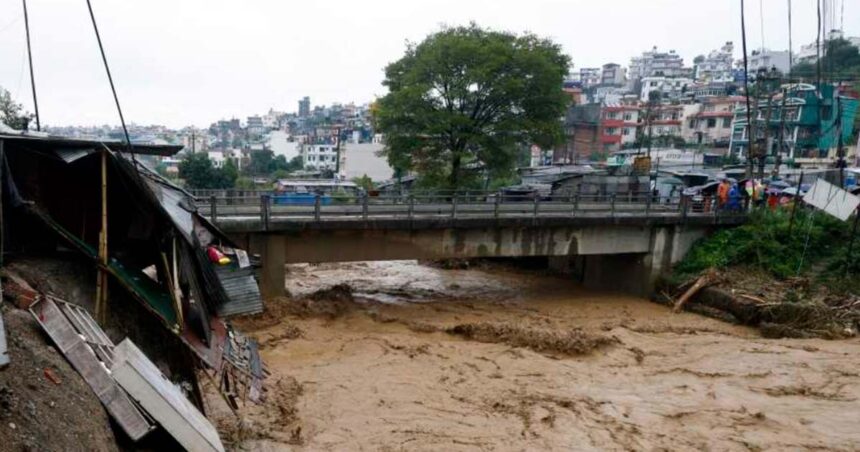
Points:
x=617 y=257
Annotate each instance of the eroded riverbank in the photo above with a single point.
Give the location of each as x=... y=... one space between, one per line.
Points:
x=390 y=371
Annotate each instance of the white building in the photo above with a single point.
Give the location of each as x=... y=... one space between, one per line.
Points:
x=364 y=159
x=808 y=53
x=767 y=59
x=672 y=88
x=613 y=74
x=654 y=63
x=217 y=158
x=590 y=76
x=319 y=156
x=717 y=66
x=282 y=143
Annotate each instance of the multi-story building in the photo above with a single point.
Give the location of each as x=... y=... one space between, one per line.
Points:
x=613 y=75
x=320 y=156
x=255 y=125
x=717 y=66
x=618 y=125
x=590 y=76
x=671 y=88
x=305 y=107
x=765 y=59
x=665 y=122
x=582 y=135
x=807 y=124
x=654 y=63
x=710 y=121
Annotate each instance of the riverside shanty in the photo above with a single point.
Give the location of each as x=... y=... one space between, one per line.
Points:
x=95 y=210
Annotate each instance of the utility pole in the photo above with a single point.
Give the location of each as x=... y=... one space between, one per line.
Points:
x=30 y=58
x=762 y=156
x=781 y=140
x=750 y=120
x=840 y=150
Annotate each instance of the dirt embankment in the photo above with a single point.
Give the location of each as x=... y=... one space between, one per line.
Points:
x=537 y=364
x=44 y=403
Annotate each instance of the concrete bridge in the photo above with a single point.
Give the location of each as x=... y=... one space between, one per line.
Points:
x=619 y=243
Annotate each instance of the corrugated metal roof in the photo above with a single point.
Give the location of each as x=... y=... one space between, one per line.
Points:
x=47 y=142
x=242 y=291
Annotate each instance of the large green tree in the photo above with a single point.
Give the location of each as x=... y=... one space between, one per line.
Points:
x=469 y=97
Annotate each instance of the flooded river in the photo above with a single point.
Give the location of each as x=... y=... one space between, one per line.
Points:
x=421 y=358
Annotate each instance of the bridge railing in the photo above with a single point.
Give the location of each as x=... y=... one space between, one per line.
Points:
x=267 y=206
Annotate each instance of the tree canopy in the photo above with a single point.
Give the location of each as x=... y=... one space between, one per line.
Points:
x=198 y=172
x=12 y=113
x=469 y=97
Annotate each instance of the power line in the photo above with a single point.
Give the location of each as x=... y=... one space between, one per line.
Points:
x=761 y=21
x=30 y=58
x=110 y=79
x=790 y=50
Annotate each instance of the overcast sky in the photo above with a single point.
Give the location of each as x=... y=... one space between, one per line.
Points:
x=184 y=62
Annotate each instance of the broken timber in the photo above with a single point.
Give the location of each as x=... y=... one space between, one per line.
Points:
x=703 y=281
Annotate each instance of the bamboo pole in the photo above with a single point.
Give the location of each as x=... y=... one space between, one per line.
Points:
x=102 y=278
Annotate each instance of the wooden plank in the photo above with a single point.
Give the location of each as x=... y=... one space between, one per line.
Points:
x=84 y=360
x=4 y=357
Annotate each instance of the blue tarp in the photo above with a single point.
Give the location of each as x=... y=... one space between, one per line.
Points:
x=300 y=199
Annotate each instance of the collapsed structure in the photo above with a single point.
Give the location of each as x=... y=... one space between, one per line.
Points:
x=146 y=241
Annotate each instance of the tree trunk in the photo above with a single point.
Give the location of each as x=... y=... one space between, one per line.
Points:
x=454 y=179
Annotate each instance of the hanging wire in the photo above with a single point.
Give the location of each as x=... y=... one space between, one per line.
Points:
x=761 y=22
x=110 y=79
x=790 y=50
x=30 y=58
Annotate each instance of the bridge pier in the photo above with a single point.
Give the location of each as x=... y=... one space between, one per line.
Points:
x=273 y=258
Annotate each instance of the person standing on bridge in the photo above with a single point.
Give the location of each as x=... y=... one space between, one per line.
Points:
x=723 y=193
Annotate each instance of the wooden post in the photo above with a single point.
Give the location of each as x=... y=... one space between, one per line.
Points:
x=102 y=277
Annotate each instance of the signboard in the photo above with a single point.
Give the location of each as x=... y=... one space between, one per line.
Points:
x=831 y=199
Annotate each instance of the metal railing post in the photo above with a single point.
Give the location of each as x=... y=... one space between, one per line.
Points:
x=612 y=204
x=496 y=204
x=648 y=203
x=264 y=211
x=364 y=202
x=213 y=209
x=411 y=210
x=317 y=204
x=685 y=205
x=454 y=206
x=537 y=206
x=575 y=203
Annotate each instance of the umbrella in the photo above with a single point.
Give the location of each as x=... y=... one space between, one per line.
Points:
x=778 y=184
x=791 y=191
x=773 y=191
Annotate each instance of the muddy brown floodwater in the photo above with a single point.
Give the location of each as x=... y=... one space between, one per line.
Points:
x=500 y=359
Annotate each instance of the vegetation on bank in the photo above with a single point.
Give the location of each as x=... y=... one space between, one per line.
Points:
x=788 y=277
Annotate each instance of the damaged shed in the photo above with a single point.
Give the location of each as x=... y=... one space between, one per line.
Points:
x=144 y=238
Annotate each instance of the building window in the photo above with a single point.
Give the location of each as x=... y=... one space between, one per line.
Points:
x=611 y=131
x=625 y=131
x=712 y=123
x=727 y=122
x=628 y=116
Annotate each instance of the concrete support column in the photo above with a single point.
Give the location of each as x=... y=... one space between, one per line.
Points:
x=272 y=251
